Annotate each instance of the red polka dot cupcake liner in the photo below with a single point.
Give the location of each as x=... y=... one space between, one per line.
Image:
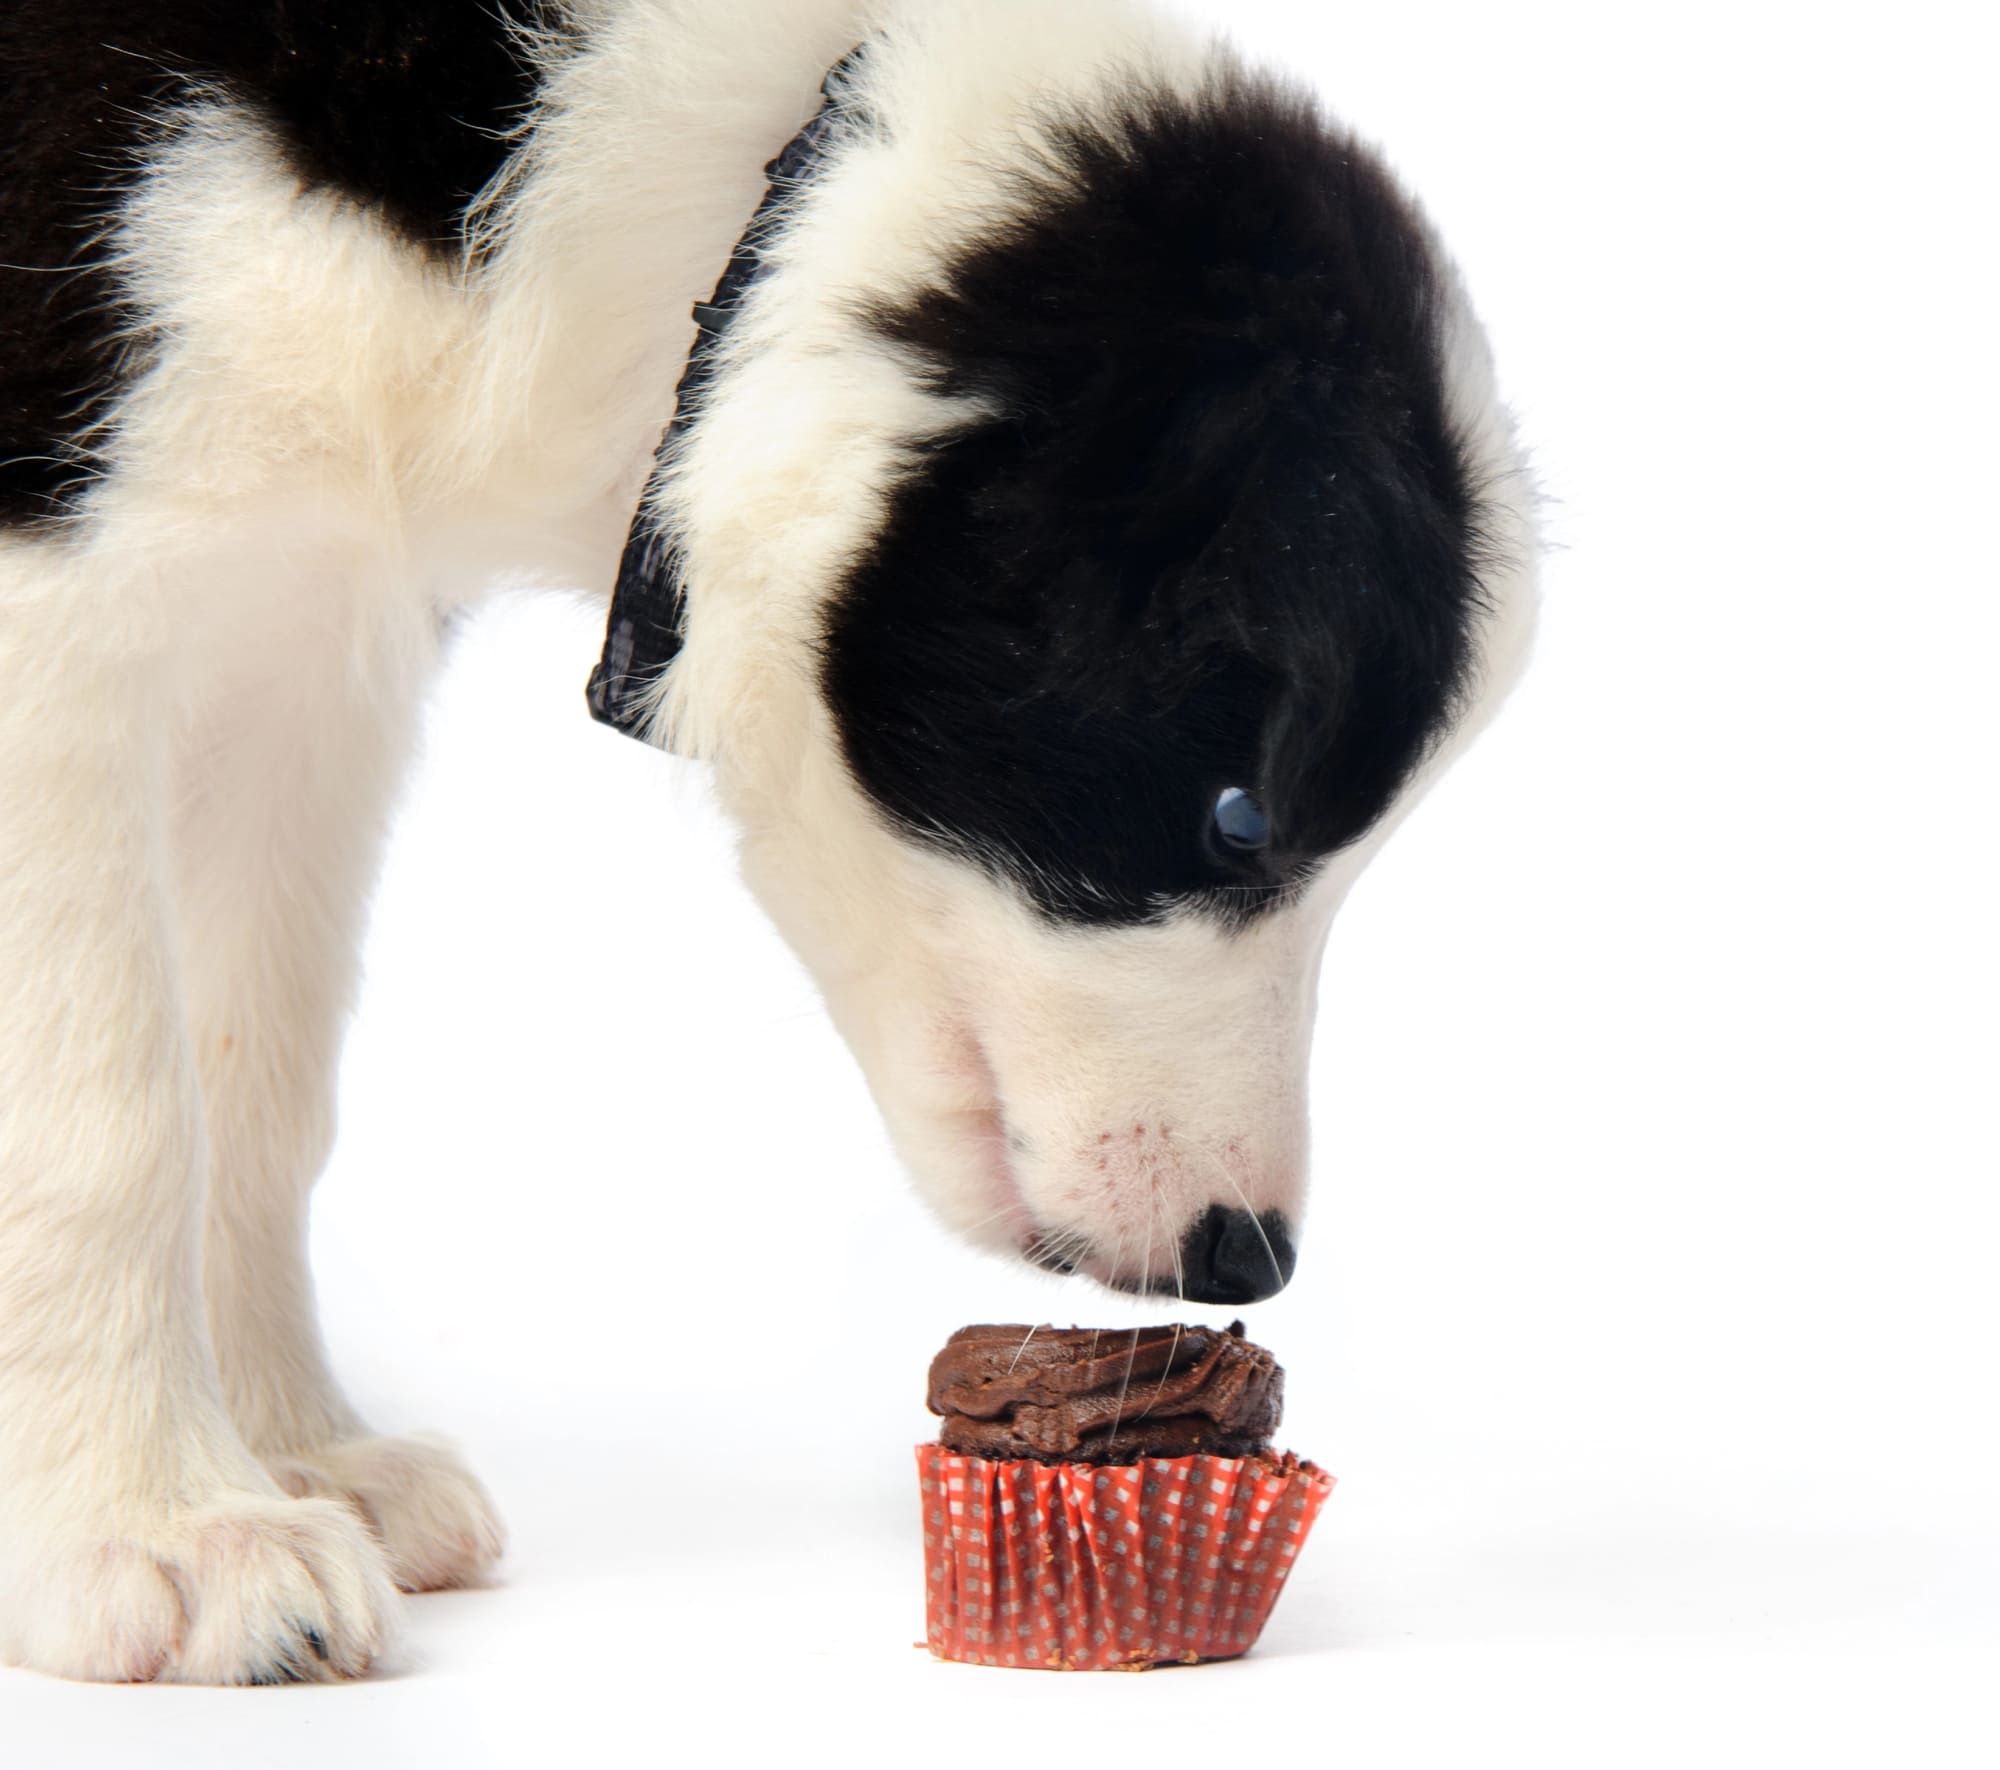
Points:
x=1088 y=1567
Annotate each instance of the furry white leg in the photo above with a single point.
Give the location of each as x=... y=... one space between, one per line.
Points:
x=138 y=1537
x=276 y=845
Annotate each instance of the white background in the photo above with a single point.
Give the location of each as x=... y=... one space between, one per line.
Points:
x=1647 y=1308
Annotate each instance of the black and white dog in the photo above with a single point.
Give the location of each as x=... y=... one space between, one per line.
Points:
x=1087 y=526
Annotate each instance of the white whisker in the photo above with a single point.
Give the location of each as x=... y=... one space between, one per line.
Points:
x=1131 y=1358
x=980 y=1223
x=1180 y=1299
x=1018 y=1350
x=1132 y=1352
x=1117 y=1261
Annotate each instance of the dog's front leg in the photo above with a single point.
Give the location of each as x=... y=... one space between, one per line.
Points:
x=139 y=1538
x=276 y=845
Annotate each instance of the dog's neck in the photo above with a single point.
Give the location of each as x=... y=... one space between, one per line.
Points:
x=614 y=215
x=644 y=629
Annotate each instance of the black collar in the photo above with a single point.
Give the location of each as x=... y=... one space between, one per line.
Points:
x=644 y=631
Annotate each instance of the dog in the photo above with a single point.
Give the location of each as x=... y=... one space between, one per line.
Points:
x=1084 y=524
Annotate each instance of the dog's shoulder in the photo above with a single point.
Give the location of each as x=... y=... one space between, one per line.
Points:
x=404 y=106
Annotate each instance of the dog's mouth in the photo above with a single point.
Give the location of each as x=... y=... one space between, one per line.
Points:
x=1007 y=1215
x=1040 y=1251
x=1002 y=1216
x=998 y=1144
x=981 y=1122
x=1067 y=1255
x=1006 y=1205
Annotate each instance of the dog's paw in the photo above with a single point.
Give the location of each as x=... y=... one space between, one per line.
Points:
x=431 y=1514
x=249 y=1589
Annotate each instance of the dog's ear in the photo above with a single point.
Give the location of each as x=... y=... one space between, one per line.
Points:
x=643 y=635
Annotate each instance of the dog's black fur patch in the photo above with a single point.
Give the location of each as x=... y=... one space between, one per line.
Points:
x=1217 y=531
x=400 y=104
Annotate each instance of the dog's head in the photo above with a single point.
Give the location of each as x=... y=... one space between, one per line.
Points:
x=1097 y=528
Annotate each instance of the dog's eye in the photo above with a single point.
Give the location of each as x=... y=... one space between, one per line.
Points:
x=1240 y=822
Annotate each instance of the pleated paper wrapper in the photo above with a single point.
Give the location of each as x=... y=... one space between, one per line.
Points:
x=1082 y=1567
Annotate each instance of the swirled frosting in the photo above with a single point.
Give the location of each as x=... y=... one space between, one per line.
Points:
x=1084 y=1395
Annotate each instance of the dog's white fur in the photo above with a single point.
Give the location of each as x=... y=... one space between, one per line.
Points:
x=207 y=685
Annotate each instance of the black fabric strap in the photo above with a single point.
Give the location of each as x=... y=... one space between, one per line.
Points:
x=644 y=631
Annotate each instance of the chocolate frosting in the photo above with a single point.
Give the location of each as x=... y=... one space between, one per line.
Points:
x=1085 y=1395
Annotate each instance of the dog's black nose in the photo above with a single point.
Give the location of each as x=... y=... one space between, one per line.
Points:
x=1230 y=1256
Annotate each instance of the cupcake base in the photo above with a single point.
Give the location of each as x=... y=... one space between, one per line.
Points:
x=1089 y=1567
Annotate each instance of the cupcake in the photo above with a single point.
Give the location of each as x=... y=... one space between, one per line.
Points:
x=1107 y=1499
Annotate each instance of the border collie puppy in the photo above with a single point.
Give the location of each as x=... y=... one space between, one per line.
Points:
x=1085 y=525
